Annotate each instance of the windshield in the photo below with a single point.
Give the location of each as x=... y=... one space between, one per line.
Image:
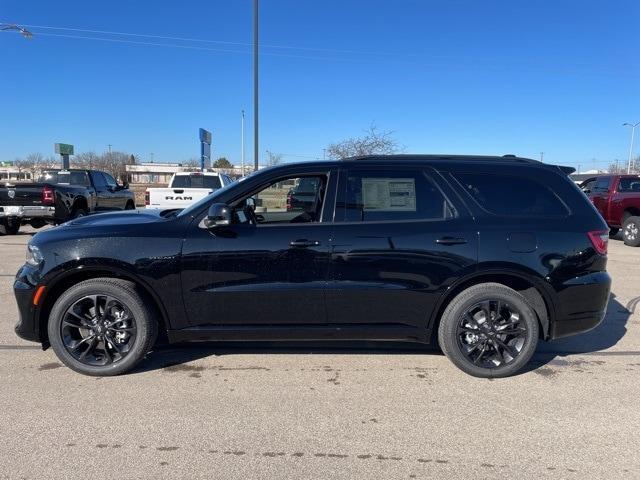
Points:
x=196 y=181
x=64 y=177
x=196 y=206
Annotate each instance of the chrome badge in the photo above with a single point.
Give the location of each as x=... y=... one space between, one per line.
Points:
x=11 y=193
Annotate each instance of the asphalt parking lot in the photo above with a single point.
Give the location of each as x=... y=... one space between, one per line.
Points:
x=326 y=412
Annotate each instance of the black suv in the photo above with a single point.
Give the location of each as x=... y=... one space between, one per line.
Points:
x=484 y=255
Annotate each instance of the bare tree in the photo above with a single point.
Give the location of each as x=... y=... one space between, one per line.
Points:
x=273 y=158
x=114 y=163
x=191 y=165
x=620 y=167
x=373 y=142
x=87 y=160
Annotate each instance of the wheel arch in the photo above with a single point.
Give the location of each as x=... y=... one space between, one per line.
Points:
x=80 y=202
x=629 y=212
x=62 y=282
x=526 y=284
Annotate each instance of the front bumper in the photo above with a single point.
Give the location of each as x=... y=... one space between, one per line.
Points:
x=581 y=304
x=28 y=212
x=26 y=327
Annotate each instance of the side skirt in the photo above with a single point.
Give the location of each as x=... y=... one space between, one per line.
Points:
x=389 y=332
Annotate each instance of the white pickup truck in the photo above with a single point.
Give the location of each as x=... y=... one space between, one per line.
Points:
x=184 y=189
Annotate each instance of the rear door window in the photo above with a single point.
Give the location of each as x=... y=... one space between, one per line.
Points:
x=98 y=180
x=388 y=195
x=512 y=195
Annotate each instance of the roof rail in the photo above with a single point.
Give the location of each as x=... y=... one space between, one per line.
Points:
x=431 y=157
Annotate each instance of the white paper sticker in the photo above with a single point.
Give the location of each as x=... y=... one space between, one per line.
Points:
x=389 y=194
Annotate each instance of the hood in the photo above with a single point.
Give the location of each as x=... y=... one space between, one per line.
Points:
x=128 y=217
x=113 y=224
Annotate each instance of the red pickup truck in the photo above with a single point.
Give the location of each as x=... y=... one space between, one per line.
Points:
x=617 y=198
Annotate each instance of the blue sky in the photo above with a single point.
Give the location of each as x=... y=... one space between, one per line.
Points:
x=447 y=76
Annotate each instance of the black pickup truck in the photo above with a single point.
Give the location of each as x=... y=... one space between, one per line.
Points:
x=60 y=195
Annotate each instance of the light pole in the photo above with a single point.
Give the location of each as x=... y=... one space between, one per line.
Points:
x=255 y=84
x=23 y=31
x=242 y=142
x=633 y=131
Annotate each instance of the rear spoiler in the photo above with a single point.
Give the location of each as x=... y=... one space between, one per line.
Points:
x=567 y=170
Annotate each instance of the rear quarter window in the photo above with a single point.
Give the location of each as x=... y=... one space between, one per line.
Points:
x=629 y=184
x=512 y=195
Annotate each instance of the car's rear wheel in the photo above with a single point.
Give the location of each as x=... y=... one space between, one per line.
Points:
x=631 y=231
x=11 y=227
x=130 y=206
x=101 y=327
x=489 y=331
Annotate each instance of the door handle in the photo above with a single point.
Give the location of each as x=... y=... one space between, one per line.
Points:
x=451 y=241
x=304 y=243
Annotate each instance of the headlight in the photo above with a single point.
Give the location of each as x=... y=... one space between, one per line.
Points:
x=34 y=255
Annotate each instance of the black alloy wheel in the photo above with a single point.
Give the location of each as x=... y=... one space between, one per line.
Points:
x=98 y=330
x=102 y=326
x=489 y=330
x=491 y=333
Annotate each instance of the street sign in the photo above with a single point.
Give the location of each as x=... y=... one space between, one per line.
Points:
x=205 y=149
x=64 y=148
x=205 y=136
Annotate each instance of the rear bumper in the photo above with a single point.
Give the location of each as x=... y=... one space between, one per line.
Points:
x=27 y=212
x=581 y=304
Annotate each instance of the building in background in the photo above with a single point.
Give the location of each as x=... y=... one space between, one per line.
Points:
x=10 y=173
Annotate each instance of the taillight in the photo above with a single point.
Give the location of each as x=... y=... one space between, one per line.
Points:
x=289 y=202
x=146 y=198
x=48 y=196
x=600 y=240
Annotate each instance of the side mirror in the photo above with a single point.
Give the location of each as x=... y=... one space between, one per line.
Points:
x=219 y=215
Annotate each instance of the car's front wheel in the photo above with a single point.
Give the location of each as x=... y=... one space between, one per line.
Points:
x=101 y=327
x=489 y=330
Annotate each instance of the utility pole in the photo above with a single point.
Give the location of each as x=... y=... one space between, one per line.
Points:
x=255 y=84
x=109 y=149
x=633 y=131
x=151 y=155
x=242 y=142
x=578 y=168
x=541 y=156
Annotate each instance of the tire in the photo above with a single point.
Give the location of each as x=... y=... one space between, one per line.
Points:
x=11 y=228
x=130 y=206
x=613 y=231
x=631 y=231
x=94 y=348
x=78 y=212
x=471 y=345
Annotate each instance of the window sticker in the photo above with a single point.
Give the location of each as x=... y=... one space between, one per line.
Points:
x=389 y=194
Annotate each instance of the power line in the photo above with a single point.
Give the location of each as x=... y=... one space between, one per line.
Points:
x=486 y=62
x=226 y=42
